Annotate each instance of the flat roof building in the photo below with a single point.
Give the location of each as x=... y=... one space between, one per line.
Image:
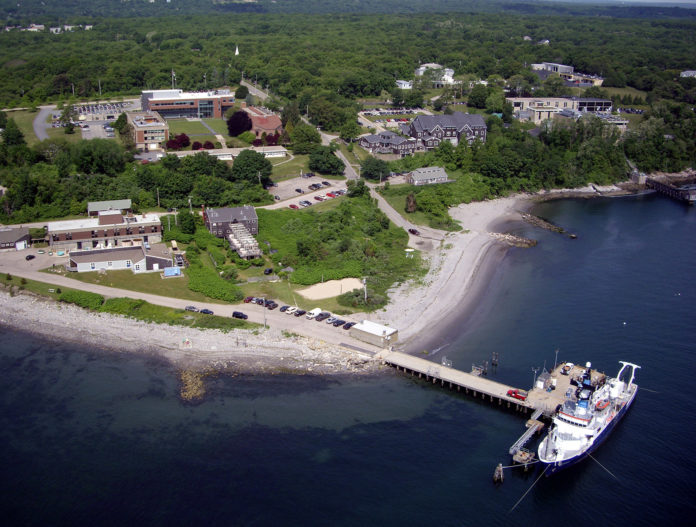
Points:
x=150 y=130
x=175 y=103
x=109 y=229
x=118 y=205
x=374 y=333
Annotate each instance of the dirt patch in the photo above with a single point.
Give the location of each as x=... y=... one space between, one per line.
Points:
x=331 y=288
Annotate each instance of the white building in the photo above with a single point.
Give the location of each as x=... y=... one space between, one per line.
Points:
x=688 y=73
x=427 y=176
x=137 y=258
x=404 y=85
x=375 y=334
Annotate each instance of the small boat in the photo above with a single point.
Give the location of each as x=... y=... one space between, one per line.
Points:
x=587 y=416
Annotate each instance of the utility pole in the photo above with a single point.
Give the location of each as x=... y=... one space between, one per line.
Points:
x=158 y=201
x=365 y=288
x=258 y=174
x=99 y=80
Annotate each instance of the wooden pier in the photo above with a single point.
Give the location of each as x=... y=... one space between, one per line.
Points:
x=687 y=195
x=475 y=385
x=542 y=401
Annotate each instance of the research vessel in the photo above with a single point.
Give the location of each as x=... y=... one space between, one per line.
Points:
x=594 y=404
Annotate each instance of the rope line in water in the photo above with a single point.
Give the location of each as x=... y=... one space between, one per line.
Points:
x=605 y=468
x=530 y=488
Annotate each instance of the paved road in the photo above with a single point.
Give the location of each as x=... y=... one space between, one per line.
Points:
x=40 y=125
x=255 y=91
x=14 y=262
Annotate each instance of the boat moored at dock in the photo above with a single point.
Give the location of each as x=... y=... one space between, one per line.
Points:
x=591 y=409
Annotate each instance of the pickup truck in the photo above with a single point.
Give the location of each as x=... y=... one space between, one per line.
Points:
x=313 y=313
x=518 y=394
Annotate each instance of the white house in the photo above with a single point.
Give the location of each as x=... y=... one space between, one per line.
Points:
x=14 y=239
x=374 y=333
x=137 y=258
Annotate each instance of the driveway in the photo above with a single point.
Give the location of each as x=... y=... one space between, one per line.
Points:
x=40 y=123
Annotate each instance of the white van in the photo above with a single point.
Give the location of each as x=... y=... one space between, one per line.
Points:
x=313 y=313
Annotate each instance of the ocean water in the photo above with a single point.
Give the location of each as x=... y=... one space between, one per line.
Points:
x=95 y=438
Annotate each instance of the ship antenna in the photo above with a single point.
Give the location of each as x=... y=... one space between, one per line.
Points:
x=530 y=488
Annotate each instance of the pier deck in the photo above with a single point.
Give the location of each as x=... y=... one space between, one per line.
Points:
x=542 y=401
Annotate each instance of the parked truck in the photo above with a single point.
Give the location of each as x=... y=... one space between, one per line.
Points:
x=313 y=313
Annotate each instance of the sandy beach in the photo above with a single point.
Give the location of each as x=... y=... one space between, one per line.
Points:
x=460 y=265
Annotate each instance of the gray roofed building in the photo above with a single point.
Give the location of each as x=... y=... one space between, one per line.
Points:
x=136 y=258
x=458 y=126
x=218 y=220
x=428 y=176
x=388 y=143
x=95 y=207
x=14 y=238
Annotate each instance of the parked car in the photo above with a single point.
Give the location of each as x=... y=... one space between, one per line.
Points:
x=191 y=308
x=517 y=394
x=326 y=183
x=41 y=251
x=414 y=232
x=268 y=270
x=322 y=316
x=299 y=191
x=299 y=312
x=313 y=313
x=348 y=325
x=276 y=197
x=283 y=309
x=240 y=315
x=272 y=306
x=338 y=322
x=331 y=195
x=318 y=198
x=248 y=299
x=290 y=310
x=206 y=311
x=331 y=320
x=293 y=206
x=29 y=257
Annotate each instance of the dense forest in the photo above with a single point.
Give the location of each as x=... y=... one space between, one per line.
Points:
x=339 y=57
x=39 y=11
x=322 y=67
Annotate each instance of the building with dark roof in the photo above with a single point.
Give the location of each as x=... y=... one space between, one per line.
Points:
x=137 y=258
x=431 y=130
x=427 y=176
x=389 y=143
x=218 y=221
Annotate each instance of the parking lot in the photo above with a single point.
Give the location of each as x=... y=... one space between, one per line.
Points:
x=287 y=190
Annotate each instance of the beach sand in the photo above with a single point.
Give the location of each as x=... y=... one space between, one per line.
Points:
x=331 y=288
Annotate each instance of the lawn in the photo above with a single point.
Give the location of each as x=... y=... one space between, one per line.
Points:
x=25 y=121
x=287 y=169
x=219 y=125
x=398 y=203
x=144 y=283
x=194 y=129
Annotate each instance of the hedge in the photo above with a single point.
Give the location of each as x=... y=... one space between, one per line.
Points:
x=82 y=299
x=207 y=281
x=314 y=275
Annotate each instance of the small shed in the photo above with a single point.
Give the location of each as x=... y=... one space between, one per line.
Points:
x=374 y=333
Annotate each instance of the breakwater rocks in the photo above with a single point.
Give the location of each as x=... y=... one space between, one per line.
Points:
x=543 y=224
x=512 y=240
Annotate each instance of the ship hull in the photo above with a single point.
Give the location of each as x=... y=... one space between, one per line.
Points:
x=557 y=466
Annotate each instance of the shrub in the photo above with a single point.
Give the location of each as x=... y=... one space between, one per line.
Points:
x=122 y=306
x=82 y=299
x=207 y=281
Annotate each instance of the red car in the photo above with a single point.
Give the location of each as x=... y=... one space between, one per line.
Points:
x=293 y=206
x=331 y=195
x=318 y=198
x=248 y=299
x=518 y=394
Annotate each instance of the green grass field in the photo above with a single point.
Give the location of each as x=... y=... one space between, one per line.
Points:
x=219 y=125
x=194 y=129
x=25 y=120
x=398 y=203
x=284 y=169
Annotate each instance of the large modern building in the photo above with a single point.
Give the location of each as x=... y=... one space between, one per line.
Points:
x=109 y=229
x=172 y=104
x=567 y=73
x=150 y=130
x=538 y=109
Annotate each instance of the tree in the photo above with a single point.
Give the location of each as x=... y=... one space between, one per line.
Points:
x=397 y=97
x=187 y=222
x=239 y=123
x=67 y=116
x=373 y=168
x=305 y=138
x=411 y=205
x=12 y=135
x=183 y=140
x=208 y=145
x=121 y=123
x=357 y=188
x=251 y=165
x=413 y=98
x=3 y=119
x=290 y=114
x=241 y=92
x=196 y=145
x=478 y=96
x=323 y=160
x=350 y=131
